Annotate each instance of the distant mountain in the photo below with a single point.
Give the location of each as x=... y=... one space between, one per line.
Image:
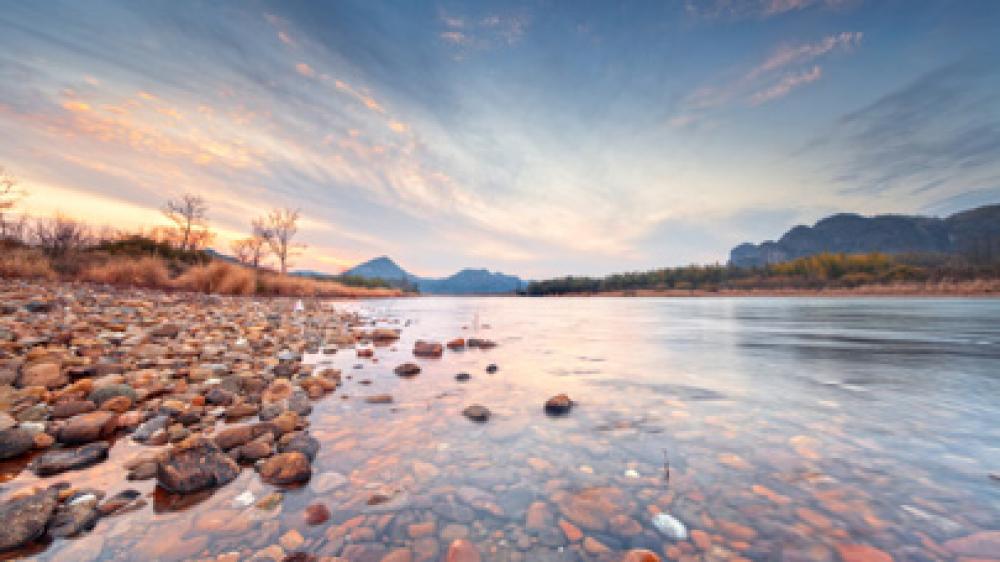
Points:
x=380 y=268
x=467 y=281
x=976 y=232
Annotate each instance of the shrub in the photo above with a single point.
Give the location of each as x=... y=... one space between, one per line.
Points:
x=142 y=272
x=218 y=277
x=25 y=263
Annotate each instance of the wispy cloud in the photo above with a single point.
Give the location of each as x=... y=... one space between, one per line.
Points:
x=493 y=30
x=771 y=79
x=756 y=9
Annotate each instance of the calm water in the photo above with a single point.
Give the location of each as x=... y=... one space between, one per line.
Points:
x=790 y=426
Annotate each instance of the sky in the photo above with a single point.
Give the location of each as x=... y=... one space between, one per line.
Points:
x=537 y=138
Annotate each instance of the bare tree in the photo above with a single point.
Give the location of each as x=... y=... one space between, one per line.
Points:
x=190 y=214
x=250 y=250
x=10 y=194
x=279 y=228
x=59 y=235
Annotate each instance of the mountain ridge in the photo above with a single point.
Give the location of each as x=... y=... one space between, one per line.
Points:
x=465 y=281
x=972 y=231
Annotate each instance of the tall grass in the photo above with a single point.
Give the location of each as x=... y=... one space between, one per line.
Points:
x=218 y=278
x=25 y=263
x=146 y=272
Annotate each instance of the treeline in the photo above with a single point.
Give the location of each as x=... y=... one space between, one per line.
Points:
x=823 y=271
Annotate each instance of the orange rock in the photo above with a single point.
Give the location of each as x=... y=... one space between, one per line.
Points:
x=571 y=531
x=736 y=531
x=462 y=550
x=640 y=555
x=418 y=530
x=398 y=555
x=813 y=518
x=862 y=553
x=701 y=539
x=985 y=544
x=595 y=547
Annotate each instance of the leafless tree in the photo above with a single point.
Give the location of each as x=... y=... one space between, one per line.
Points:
x=279 y=228
x=190 y=214
x=59 y=235
x=10 y=194
x=250 y=250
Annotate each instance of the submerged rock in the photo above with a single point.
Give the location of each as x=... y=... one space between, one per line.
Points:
x=194 y=465
x=286 y=468
x=379 y=399
x=462 y=550
x=24 y=518
x=670 y=526
x=462 y=377
x=84 y=428
x=75 y=517
x=492 y=368
x=427 y=349
x=61 y=460
x=477 y=413
x=301 y=442
x=49 y=375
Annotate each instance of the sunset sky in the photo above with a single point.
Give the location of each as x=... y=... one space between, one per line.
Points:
x=536 y=138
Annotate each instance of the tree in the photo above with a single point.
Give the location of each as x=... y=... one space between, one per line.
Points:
x=189 y=213
x=59 y=235
x=278 y=228
x=10 y=194
x=249 y=250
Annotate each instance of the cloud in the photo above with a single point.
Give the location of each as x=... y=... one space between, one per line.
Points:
x=934 y=138
x=767 y=81
x=487 y=32
x=305 y=70
x=756 y=9
x=784 y=86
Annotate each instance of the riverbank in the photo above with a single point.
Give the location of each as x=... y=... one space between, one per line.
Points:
x=978 y=288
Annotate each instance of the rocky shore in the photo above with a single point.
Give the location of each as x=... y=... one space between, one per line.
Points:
x=168 y=426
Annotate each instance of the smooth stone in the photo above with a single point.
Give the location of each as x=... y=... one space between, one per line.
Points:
x=316 y=514
x=407 y=370
x=62 y=460
x=286 y=468
x=194 y=465
x=327 y=481
x=558 y=405
x=301 y=442
x=462 y=550
x=477 y=413
x=24 y=518
x=15 y=442
x=84 y=428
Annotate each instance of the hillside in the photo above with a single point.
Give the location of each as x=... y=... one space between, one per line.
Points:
x=464 y=282
x=974 y=233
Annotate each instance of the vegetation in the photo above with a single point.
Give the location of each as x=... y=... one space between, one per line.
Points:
x=823 y=271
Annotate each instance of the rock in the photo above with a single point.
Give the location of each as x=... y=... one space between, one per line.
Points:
x=316 y=514
x=61 y=460
x=24 y=518
x=253 y=451
x=15 y=442
x=84 y=428
x=427 y=349
x=122 y=502
x=74 y=517
x=167 y=330
x=481 y=343
x=398 y=555
x=985 y=544
x=118 y=404
x=462 y=377
x=301 y=442
x=49 y=375
x=233 y=436
x=477 y=413
x=194 y=465
x=379 y=399
x=492 y=368
x=640 y=555
x=670 y=526
x=592 y=508
x=327 y=481
x=462 y=550
x=146 y=430
x=279 y=390
x=219 y=397
x=286 y=468
x=71 y=408
x=291 y=540
x=104 y=393
x=407 y=370
x=383 y=335
x=558 y=405
x=456 y=344
x=6 y=421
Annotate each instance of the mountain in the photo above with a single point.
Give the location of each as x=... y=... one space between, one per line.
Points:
x=976 y=232
x=467 y=281
x=380 y=268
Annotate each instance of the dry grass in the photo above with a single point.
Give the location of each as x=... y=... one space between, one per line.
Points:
x=219 y=278
x=272 y=284
x=131 y=272
x=25 y=263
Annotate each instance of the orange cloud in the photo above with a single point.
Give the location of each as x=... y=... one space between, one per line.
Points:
x=305 y=70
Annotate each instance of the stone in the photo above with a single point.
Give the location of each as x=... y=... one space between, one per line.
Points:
x=481 y=343
x=286 y=468
x=24 y=518
x=146 y=429
x=670 y=526
x=194 y=465
x=301 y=442
x=84 y=428
x=477 y=413
x=985 y=544
x=233 y=436
x=398 y=555
x=572 y=532
x=492 y=368
x=558 y=405
x=427 y=349
x=62 y=460
x=407 y=370
x=118 y=404
x=291 y=540
x=280 y=389
x=122 y=502
x=316 y=514
x=327 y=482
x=462 y=550
x=74 y=517
x=253 y=451
x=463 y=377
x=106 y=392
x=640 y=555
x=15 y=442
x=379 y=399
x=456 y=344
x=49 y=375
x=591 y=508
x=71 y=408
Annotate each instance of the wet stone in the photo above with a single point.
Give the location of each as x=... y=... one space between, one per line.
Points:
x=74 y=517
x=62 y=460
x=196 y=464
x=286 y=468
x=15 y=442
x=477 y=413
x=407 y=370
x=24 y=518
x=84 y=428
x=300 y=442
x=558 y=405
